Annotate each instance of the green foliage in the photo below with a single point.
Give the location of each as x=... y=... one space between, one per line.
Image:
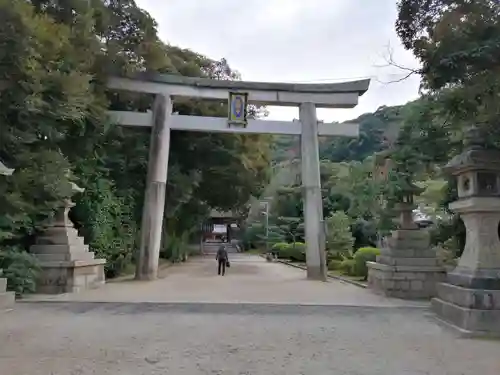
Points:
x=339 y=237
x=363 y=255
x=353 y=182
x=175 y=247
x=106 y=221
x=293 y=251
x=53 y=103
x=255 y=236
x=457 y=43
x=373 y=129
x=298 y=251
x=275 y=235
x=365 y=232
x=280 y=246
x=252 y=235
x=347 y=267
x=334 y=265
x=21 y=270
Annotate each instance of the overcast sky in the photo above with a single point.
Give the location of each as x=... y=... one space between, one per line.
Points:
x=296 y=41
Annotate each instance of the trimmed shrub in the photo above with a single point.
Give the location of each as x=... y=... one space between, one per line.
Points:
x=339 y=238
x=334 y=255
x=297 y=251
x=347 y=267
x=363 y=255
x=282 y=250
x=334 y=264
x=21 y=270
x=293 y=251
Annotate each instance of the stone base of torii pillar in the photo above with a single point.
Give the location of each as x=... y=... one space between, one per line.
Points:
x=67 y=264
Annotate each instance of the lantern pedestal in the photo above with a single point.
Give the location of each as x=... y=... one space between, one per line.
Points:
x=470 y=299
x=407 y=268
x=66 y=262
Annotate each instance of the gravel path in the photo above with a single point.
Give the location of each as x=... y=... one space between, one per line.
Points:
x=261 y=319
x=249 y=280
x=192 y=339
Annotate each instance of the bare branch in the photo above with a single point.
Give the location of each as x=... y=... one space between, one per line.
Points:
x=390 y=62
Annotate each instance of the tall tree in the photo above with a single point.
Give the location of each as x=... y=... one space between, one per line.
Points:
x=458 y=44
x=55 y=57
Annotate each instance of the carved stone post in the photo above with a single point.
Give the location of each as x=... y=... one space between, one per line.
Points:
x=470 y=298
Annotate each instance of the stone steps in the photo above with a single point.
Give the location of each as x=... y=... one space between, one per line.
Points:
x=213 y=247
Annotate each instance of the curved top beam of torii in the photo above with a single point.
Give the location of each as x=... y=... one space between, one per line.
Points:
x=329 y=95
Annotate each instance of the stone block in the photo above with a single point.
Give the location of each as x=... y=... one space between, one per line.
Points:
x=417 y=285
x=58 y=249
x=419 y=269
x=473 y=322
x=475 y=277
x=408 y=253
x=407 y=282
x=407 y=261
x=403 y=285
x=6 y=298
x=409 y=239
x=60 y=236
x=469 y=298
x=70 y=277
x=413 y=234
x=74 y=255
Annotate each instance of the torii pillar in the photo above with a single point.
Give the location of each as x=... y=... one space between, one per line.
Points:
x=311 y=186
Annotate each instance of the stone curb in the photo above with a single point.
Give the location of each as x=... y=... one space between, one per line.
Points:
x=340 y=278
x=215 y=307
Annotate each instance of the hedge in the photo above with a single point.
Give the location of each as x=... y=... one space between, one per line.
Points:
x=363 y=255
x=293 y=251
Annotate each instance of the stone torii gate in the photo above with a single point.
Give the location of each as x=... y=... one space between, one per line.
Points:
x=307 y=97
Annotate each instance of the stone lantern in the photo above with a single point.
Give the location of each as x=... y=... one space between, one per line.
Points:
x=66 y=262
x=405 y=206
x=470 y=299
x=407 y=267
x=6 y=298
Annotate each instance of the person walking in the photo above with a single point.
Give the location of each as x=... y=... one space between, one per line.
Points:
x=222 y=259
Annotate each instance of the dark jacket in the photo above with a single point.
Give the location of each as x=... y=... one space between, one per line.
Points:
x=221 y=254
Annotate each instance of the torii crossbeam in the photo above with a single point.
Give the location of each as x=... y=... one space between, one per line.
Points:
x=307 y=97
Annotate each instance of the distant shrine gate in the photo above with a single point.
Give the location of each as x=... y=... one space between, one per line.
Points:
x=307 y=97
